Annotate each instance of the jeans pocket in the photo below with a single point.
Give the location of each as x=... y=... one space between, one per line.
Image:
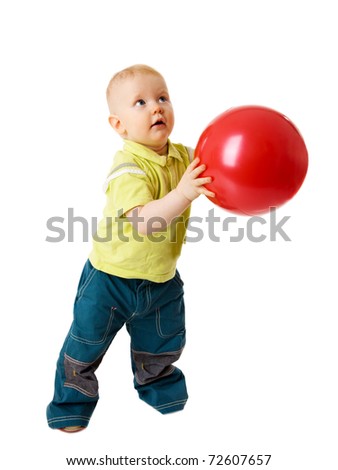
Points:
x=86 y=276
x=91 y=326
x=169 y=323
x=170 y=316
x=93 y=313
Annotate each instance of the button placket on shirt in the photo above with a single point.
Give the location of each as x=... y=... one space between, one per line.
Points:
x=171 y=172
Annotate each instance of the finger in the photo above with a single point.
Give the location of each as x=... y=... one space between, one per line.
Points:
x=203 y=181
x=197 y=171
x=206 y=192
x=193 y=164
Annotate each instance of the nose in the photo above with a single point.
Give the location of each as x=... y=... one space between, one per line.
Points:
x=157 y=108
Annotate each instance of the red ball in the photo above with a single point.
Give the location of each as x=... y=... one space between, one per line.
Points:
x=256 y=157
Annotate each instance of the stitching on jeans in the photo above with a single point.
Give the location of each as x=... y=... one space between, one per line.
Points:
x=144 y=382
x=172 y=353
x=103 y=339
x=171 y=404
x=179 y=332
x=62 y=418
x=79 y=389
x=86 y=283
x=80 y=363
x=74 y=368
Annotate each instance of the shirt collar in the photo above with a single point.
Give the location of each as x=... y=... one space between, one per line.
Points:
x=144 y=152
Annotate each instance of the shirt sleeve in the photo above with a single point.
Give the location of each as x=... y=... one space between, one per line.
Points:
x=128 y=187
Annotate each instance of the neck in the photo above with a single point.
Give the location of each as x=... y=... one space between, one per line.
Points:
x=162 y=150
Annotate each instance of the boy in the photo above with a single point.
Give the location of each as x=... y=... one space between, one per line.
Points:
x=131 y=278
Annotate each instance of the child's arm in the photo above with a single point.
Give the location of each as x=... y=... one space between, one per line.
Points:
x=157 y=214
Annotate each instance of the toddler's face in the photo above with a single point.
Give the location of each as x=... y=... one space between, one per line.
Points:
x=144 y=111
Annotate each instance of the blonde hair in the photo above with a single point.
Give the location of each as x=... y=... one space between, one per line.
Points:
x=127 y=73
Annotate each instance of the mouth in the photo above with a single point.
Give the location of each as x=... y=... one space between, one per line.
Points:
x=158 y=123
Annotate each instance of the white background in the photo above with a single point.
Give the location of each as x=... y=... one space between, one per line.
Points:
x=261 y=356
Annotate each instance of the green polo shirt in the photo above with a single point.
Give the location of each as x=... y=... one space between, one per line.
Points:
x=138 y=176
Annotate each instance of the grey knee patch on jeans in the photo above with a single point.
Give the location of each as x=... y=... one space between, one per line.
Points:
x=81 y=375
x=150 y=367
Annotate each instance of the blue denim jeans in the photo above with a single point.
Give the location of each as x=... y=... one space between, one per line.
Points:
x=154 y=317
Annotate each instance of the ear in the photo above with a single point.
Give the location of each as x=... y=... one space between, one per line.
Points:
x=116 y=124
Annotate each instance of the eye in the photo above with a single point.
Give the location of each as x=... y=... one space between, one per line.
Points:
x=163 y=99
x=140 y=103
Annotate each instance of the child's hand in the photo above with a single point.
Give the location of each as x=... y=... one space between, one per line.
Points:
x=190 y=185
